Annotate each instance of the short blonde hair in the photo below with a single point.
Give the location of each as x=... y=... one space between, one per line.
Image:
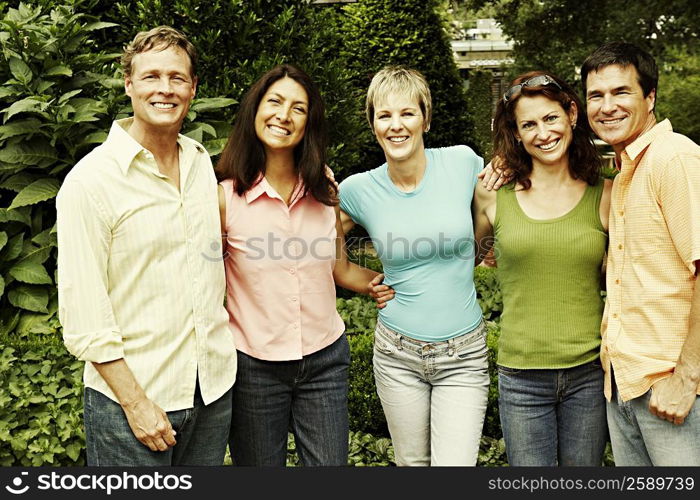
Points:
x=399 y=80
x=161 y=38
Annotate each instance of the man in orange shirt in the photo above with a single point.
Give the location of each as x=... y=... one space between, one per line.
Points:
x=651 y=325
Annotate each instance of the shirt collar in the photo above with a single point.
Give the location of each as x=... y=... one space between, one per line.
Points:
x=262 y=186
x=126 y=148
x=643 y=141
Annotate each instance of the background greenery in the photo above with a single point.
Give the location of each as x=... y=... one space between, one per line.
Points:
x=557 y=35
x=60 y=88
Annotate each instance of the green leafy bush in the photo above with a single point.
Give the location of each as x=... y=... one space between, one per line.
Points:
x=55 y=100
x=488 y=292
x=364 y=408
x=41 y=410
x=413 y=33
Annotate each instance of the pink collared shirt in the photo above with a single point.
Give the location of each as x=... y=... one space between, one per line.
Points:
x=279 y=263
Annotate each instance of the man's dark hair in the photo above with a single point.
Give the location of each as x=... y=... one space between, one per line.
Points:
x=623 y=54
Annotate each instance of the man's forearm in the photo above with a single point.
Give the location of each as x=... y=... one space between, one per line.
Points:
x=121 y=380
x=688 y=365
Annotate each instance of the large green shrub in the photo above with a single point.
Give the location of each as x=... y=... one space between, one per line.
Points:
x=41 y=408
x=364 y=409
x=238 y=40
x=413 y=33
x=55 y=103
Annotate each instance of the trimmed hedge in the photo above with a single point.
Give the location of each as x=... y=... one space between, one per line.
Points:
x=41 y=397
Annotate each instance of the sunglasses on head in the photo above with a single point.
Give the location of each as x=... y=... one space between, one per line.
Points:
x=535 y=81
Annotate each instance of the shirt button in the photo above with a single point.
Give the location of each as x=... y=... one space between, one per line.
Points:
x=294 y=299
x=619 y=246
x=296 y=326
x=292 y=271
x=622 y=212
x=617 y=282
x=615 y=315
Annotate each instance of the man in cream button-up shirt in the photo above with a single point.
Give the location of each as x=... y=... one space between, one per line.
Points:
x=140 y=289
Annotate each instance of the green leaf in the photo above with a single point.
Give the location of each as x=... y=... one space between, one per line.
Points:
x=195 y=134
x=3 y=239
x=19 y=127
x=98 y=26
x=30 y=271
x=31 y=298
x=18 y=181
x=73 y=451
x=16 y=216
x=27 y=105
x=9 y=318
x=209 y=103
x=46 y=238
x=59 y=70
x=31 y=322
x=13 y=248
x=20 y=70
x=9 y=91
x=33 y=153
x=2 y=285
x=68 y=95
x=37 y=191
x=95 y=138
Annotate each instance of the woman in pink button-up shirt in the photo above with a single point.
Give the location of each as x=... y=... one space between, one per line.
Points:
x=283 y=257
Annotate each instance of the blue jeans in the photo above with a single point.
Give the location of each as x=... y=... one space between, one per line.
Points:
x=640 y=438
x=434 y=395
x=201 y=436
x=308 y=397
x=553 y=417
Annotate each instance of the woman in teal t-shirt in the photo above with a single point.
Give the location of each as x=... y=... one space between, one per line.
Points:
x=430 y=356
x=550 y=228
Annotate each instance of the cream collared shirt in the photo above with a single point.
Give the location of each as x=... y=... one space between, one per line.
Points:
x=140 y=274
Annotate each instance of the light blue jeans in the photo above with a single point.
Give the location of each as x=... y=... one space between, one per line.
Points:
x=553 y=416
x=434 y=395
x=640 y=438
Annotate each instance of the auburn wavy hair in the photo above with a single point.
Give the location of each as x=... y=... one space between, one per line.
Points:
x=584 y=160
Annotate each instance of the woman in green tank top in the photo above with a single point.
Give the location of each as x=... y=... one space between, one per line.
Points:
x=550 y=237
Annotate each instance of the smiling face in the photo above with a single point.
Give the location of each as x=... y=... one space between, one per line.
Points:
x=281 y=117
x=399 y=125
x=161 y=88
x=617 y=110
x=545 y=129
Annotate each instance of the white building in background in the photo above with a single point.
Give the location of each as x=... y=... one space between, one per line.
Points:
x=484 y=48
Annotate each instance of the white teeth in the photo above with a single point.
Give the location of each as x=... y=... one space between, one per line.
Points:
x=547 y=147
x=398 y=139
x=278 y=130
x=163 y=105
x=612 y=122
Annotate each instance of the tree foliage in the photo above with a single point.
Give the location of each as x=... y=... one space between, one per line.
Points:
x=557 y=35
x=413 y=33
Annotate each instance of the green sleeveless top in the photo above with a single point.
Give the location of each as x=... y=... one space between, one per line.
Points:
x=549 y=271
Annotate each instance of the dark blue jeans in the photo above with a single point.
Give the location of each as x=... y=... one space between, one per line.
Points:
x=202 y=432
x=553 y=417
x=308 y=397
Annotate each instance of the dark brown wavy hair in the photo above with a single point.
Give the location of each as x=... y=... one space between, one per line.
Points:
x=243 y=157
x=584 y=161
